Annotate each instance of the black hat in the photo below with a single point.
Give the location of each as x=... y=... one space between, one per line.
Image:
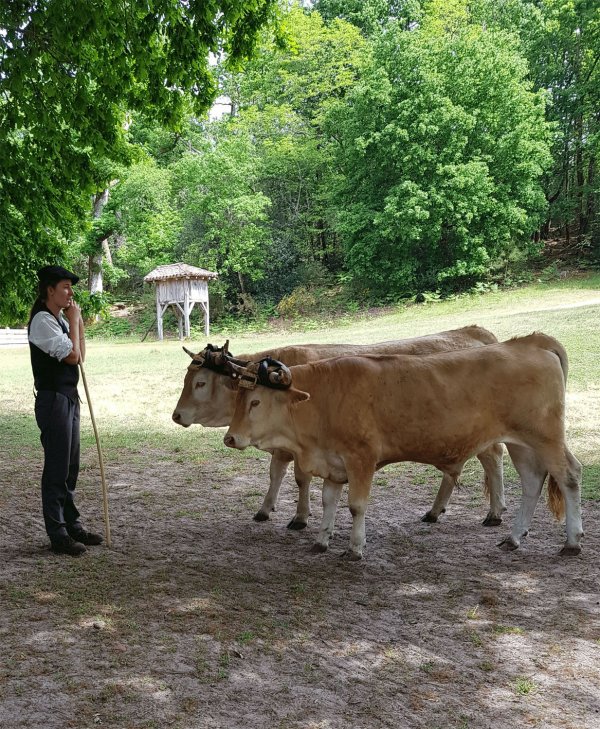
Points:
x=54 y=274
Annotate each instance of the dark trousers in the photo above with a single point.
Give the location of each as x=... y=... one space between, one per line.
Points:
x=58 y=420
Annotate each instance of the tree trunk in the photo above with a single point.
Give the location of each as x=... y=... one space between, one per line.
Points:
x=106 y=251
x=590 y=206
x=545 y=231
x=95 y=284
x=579 y=174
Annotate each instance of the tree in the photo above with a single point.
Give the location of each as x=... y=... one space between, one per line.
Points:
x=442 y=145
x=69 y=74
x=566 y=60
x=223 y=214
x=140 y=221
x=561 y=41
x=281 y=99
x=371 y=15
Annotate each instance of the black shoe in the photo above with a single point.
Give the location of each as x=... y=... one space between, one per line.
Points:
x=67 y=545
x=88 y=538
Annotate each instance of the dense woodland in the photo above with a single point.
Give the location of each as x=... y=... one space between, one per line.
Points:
x=371 y=150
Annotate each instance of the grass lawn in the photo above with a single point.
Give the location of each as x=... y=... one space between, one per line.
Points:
x=134 y=386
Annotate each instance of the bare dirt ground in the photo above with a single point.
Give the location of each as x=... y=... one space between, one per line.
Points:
x=199 y=617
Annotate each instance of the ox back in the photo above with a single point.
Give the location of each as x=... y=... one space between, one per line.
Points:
x=439 y=409
x=447 y=341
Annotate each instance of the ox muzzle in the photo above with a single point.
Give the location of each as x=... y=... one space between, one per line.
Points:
x=237 y=440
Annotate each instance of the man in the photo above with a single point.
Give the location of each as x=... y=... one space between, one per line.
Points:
x=57 y=345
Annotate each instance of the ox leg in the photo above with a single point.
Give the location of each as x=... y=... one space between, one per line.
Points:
x=532 y=472
x=279 y=463
x=444 y=493
x=449 y=481
x=492 y=460
x=570 y=488
x=300 y=520
x=360 y=477
x=331 y=496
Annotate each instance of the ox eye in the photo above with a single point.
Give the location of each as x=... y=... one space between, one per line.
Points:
x=254 y=403
x=200 y=384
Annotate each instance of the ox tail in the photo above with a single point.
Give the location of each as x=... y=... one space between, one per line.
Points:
x=561 y=353
x=486 y=486
x=556 y=500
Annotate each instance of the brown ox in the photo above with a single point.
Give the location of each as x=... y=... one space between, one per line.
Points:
x=208 y=398
x=365 y=412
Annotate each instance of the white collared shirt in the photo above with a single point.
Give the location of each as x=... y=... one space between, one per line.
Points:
x=46 y=334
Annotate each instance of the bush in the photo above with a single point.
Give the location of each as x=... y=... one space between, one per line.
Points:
x=301 y=302
x=111 y=327
x=93 y=305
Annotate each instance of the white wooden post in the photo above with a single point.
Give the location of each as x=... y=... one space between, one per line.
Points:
x=179 y=321
x=159 y=323
x=186 y=308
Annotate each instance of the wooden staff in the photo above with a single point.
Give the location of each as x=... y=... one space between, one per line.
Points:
x=100 y=459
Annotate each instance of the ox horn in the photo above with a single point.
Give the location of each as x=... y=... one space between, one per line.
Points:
x=281 y=376
x=244 y=376
x=221 y=356
x=187 y=351
x=238 y=370
x=218 y=357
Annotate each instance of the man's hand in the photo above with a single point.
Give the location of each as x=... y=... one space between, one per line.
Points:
x=73 y=312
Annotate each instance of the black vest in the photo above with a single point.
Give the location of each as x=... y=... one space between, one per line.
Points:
x=48 y=372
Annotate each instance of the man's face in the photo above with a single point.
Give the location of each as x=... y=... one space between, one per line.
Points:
x=62 y=294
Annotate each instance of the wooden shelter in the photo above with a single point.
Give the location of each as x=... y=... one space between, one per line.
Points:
x=180 y=286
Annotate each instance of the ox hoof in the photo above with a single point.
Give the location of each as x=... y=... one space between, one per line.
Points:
x=508 y=545
x=318 y=548
x=492 y=521
x=351 y=556
x=261 y=516
x=296 y=524
x=429 y=518
x=570 y=550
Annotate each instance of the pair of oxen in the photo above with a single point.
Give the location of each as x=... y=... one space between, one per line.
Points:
x=341 y=412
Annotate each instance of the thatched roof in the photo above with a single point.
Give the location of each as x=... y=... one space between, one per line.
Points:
x=178 y=270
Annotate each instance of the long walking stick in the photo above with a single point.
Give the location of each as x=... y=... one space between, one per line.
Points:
x=100 y=459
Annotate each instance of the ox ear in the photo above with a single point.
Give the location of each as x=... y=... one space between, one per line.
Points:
x=296 y=396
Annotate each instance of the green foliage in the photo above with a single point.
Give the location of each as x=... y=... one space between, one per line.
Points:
x=93 y=305
x=299 y=303
x=550 y=273
x=573 y=77
x=223 y=214
x=442 y=146
x=141 y=220
x=69 y=73
x=396 y=146
x=561 y=41
x=20 y=258
x=282 y=98
x=320 y=301
x=371 y=15
x=110 y=328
